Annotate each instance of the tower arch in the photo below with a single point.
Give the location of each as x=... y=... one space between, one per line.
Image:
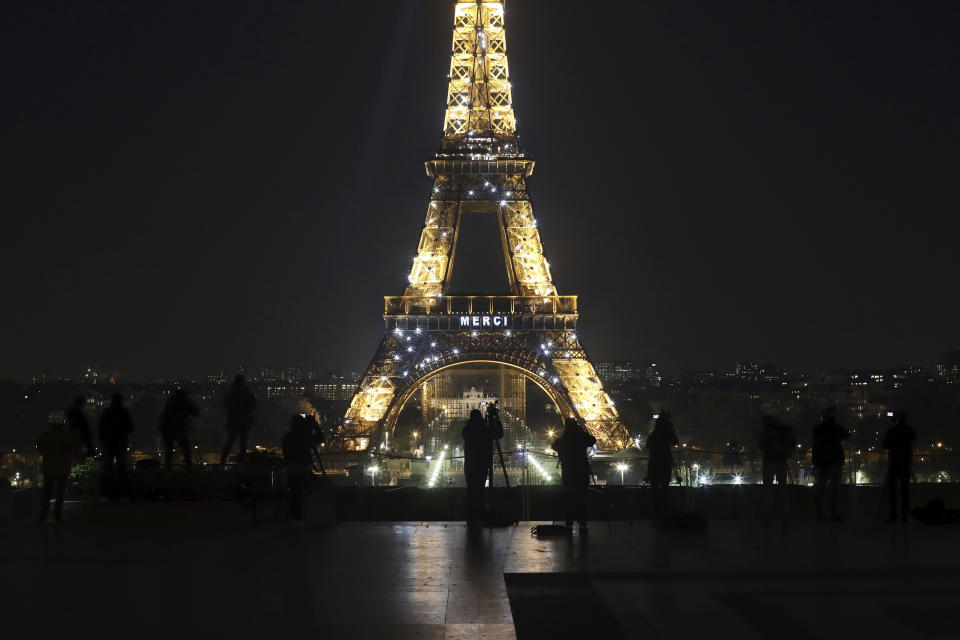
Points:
x=403 y=395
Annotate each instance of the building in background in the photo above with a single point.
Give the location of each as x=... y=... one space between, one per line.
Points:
x=280 y=390
x=615 y=372
x=748 y=372
x=448 y=398
x=90 y=375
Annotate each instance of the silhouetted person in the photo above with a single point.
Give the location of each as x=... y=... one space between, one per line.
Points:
x=660 y=466
x=57 y=445
x=116 y=425
x=572 y=446
x=777 y=444
x=828 y=459
x=478 y=439
x=240 y=404
x=174 y=419
x=899 y=445
x=298 y=447
x=78 y=424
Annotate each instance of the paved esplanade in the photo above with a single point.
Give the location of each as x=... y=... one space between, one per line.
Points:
x=412 y=580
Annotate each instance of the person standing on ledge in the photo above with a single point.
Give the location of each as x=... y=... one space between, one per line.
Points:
x=477 y=454
x=78 y=424
x=116 y=425
x=899 y=445
x=240 y=404
x=828 y=459
x=660 y=466
x=298 y=448
x=777 y=443
x=57 y=445
x=173 y=426
x=572 y=447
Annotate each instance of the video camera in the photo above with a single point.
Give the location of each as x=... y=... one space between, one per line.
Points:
x=313 y=425
x=493 y=421
x=493 y=410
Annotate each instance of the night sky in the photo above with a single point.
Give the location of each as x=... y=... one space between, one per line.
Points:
x=193 y=186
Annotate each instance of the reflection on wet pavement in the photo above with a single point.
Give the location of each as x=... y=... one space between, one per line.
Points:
x=436 y=580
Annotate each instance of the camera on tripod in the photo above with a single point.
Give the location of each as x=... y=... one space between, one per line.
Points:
x=493 y=411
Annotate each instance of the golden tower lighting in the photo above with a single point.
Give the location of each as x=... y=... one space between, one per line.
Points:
x=480 y=170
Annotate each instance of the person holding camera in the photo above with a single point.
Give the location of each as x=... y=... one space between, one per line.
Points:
x=299 y=444
x=478 y=436
x=898 y=442
x=660 y=466
x=572 y=447
x=828 y=458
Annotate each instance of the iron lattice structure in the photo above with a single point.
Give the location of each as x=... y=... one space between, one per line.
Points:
x=480 y=169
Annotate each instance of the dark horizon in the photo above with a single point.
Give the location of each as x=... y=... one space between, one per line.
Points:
x=196 y=187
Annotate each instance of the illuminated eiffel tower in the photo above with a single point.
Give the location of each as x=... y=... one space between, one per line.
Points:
x=480 y=170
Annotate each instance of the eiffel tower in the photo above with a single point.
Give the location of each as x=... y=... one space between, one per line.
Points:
x=480 y=170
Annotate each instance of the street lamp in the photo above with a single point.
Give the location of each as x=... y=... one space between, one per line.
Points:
x=373 y=471
x=621 y=468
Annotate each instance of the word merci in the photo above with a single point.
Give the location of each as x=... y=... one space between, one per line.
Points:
x=484 y=321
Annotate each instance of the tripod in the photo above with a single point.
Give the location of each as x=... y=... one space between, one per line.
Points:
x=318 y=438
x=318 y=462
x=503 y=466
x=496 y=429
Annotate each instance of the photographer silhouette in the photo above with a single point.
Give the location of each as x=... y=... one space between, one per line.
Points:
x=478 y=436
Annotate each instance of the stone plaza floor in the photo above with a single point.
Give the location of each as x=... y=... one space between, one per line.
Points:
x=436 y=580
